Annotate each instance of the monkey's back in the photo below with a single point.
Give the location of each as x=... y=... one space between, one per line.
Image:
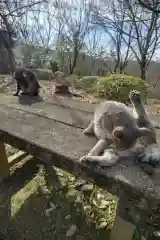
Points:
x=110 y=114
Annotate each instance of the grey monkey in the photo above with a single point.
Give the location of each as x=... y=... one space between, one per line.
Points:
x=27 y=82
x=115 y=121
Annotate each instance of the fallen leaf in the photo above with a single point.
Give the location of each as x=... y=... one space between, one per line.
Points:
x=44 y=190
x=156 y=233
x=104 y=202
x=48 y=211
x=78 y=199
x=94 y=202
x=87 y=207
x=68 y=217
x=102 y=206
x=52 y=205
x=102 y=225
x=99 y=196
x=71 y=231
x=87 y=187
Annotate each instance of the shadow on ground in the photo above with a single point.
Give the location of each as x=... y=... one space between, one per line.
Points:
x=23 y=204
x=27 y=100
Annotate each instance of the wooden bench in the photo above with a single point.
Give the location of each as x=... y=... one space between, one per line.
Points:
x=52 y=132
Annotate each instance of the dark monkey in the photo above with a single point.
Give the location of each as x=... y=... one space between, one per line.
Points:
x=27 y=82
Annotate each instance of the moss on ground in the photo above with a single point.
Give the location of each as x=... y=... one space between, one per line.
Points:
x=32 y=189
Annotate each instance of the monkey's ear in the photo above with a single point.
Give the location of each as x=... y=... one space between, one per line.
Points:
x=118 y=132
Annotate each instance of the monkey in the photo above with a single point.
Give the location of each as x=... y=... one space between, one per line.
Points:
x=112 y=155
x=113 y=120
x=27 y=82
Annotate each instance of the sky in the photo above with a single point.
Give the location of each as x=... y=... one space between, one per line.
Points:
x=101 y=39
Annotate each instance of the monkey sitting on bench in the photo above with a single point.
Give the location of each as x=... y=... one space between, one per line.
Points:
x=27 y=82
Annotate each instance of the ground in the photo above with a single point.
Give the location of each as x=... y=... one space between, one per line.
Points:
x=32 y=190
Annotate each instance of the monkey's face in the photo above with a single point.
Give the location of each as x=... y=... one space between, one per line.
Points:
x=124 y=138
x=135 y=97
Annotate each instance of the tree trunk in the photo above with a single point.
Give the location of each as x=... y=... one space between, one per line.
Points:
x=73 y=61
x=8 y=43
x=143 y=72
x=116 y=66
x=12 y=62
x=60 y=89
x=142 y=64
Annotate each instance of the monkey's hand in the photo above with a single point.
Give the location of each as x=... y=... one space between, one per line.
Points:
x=15 y=94
x=135 y=96
x=108 y=159
x=83 y=159
x=90 y=160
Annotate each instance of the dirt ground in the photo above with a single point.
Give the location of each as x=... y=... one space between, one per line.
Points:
x=34 y=188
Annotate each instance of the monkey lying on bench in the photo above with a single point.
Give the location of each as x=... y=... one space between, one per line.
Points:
x=27 y=82
x=123 y=126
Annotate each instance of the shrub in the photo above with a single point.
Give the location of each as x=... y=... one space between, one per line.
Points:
x=43 y=74
x=154 y=93
x=86 y=82
x=118 y=86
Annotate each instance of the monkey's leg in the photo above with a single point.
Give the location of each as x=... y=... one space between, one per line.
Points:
x=18 y=89
x=89 y=130
x=108 y=159
x=33 y=89
x=100 y=146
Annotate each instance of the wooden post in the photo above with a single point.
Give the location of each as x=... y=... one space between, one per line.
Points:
x=4 y=165
x=122 y=230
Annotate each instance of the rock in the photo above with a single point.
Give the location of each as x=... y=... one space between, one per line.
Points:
x=71 y=231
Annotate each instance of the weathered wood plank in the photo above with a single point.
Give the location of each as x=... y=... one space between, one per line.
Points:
x=58 y=108
x=4 y=165
x=54 y=100
x=69 y=115
x=15 y=158
x=63 y=145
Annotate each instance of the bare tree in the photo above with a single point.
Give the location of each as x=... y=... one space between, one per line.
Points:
x=151 y=5
x=145 y=32
x=107 y=17
x=9 y=11
x=35 y=30
x=76 y=19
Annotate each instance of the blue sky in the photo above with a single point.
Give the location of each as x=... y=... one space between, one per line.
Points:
x=102 y=40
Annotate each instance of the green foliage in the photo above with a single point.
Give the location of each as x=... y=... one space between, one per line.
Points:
x=118 y=86
x=154 y=93
x=43 y=74
x=87 y=82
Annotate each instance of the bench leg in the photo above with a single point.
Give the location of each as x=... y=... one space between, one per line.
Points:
x=122 y=230
x=131 y=223
x=4 y=165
